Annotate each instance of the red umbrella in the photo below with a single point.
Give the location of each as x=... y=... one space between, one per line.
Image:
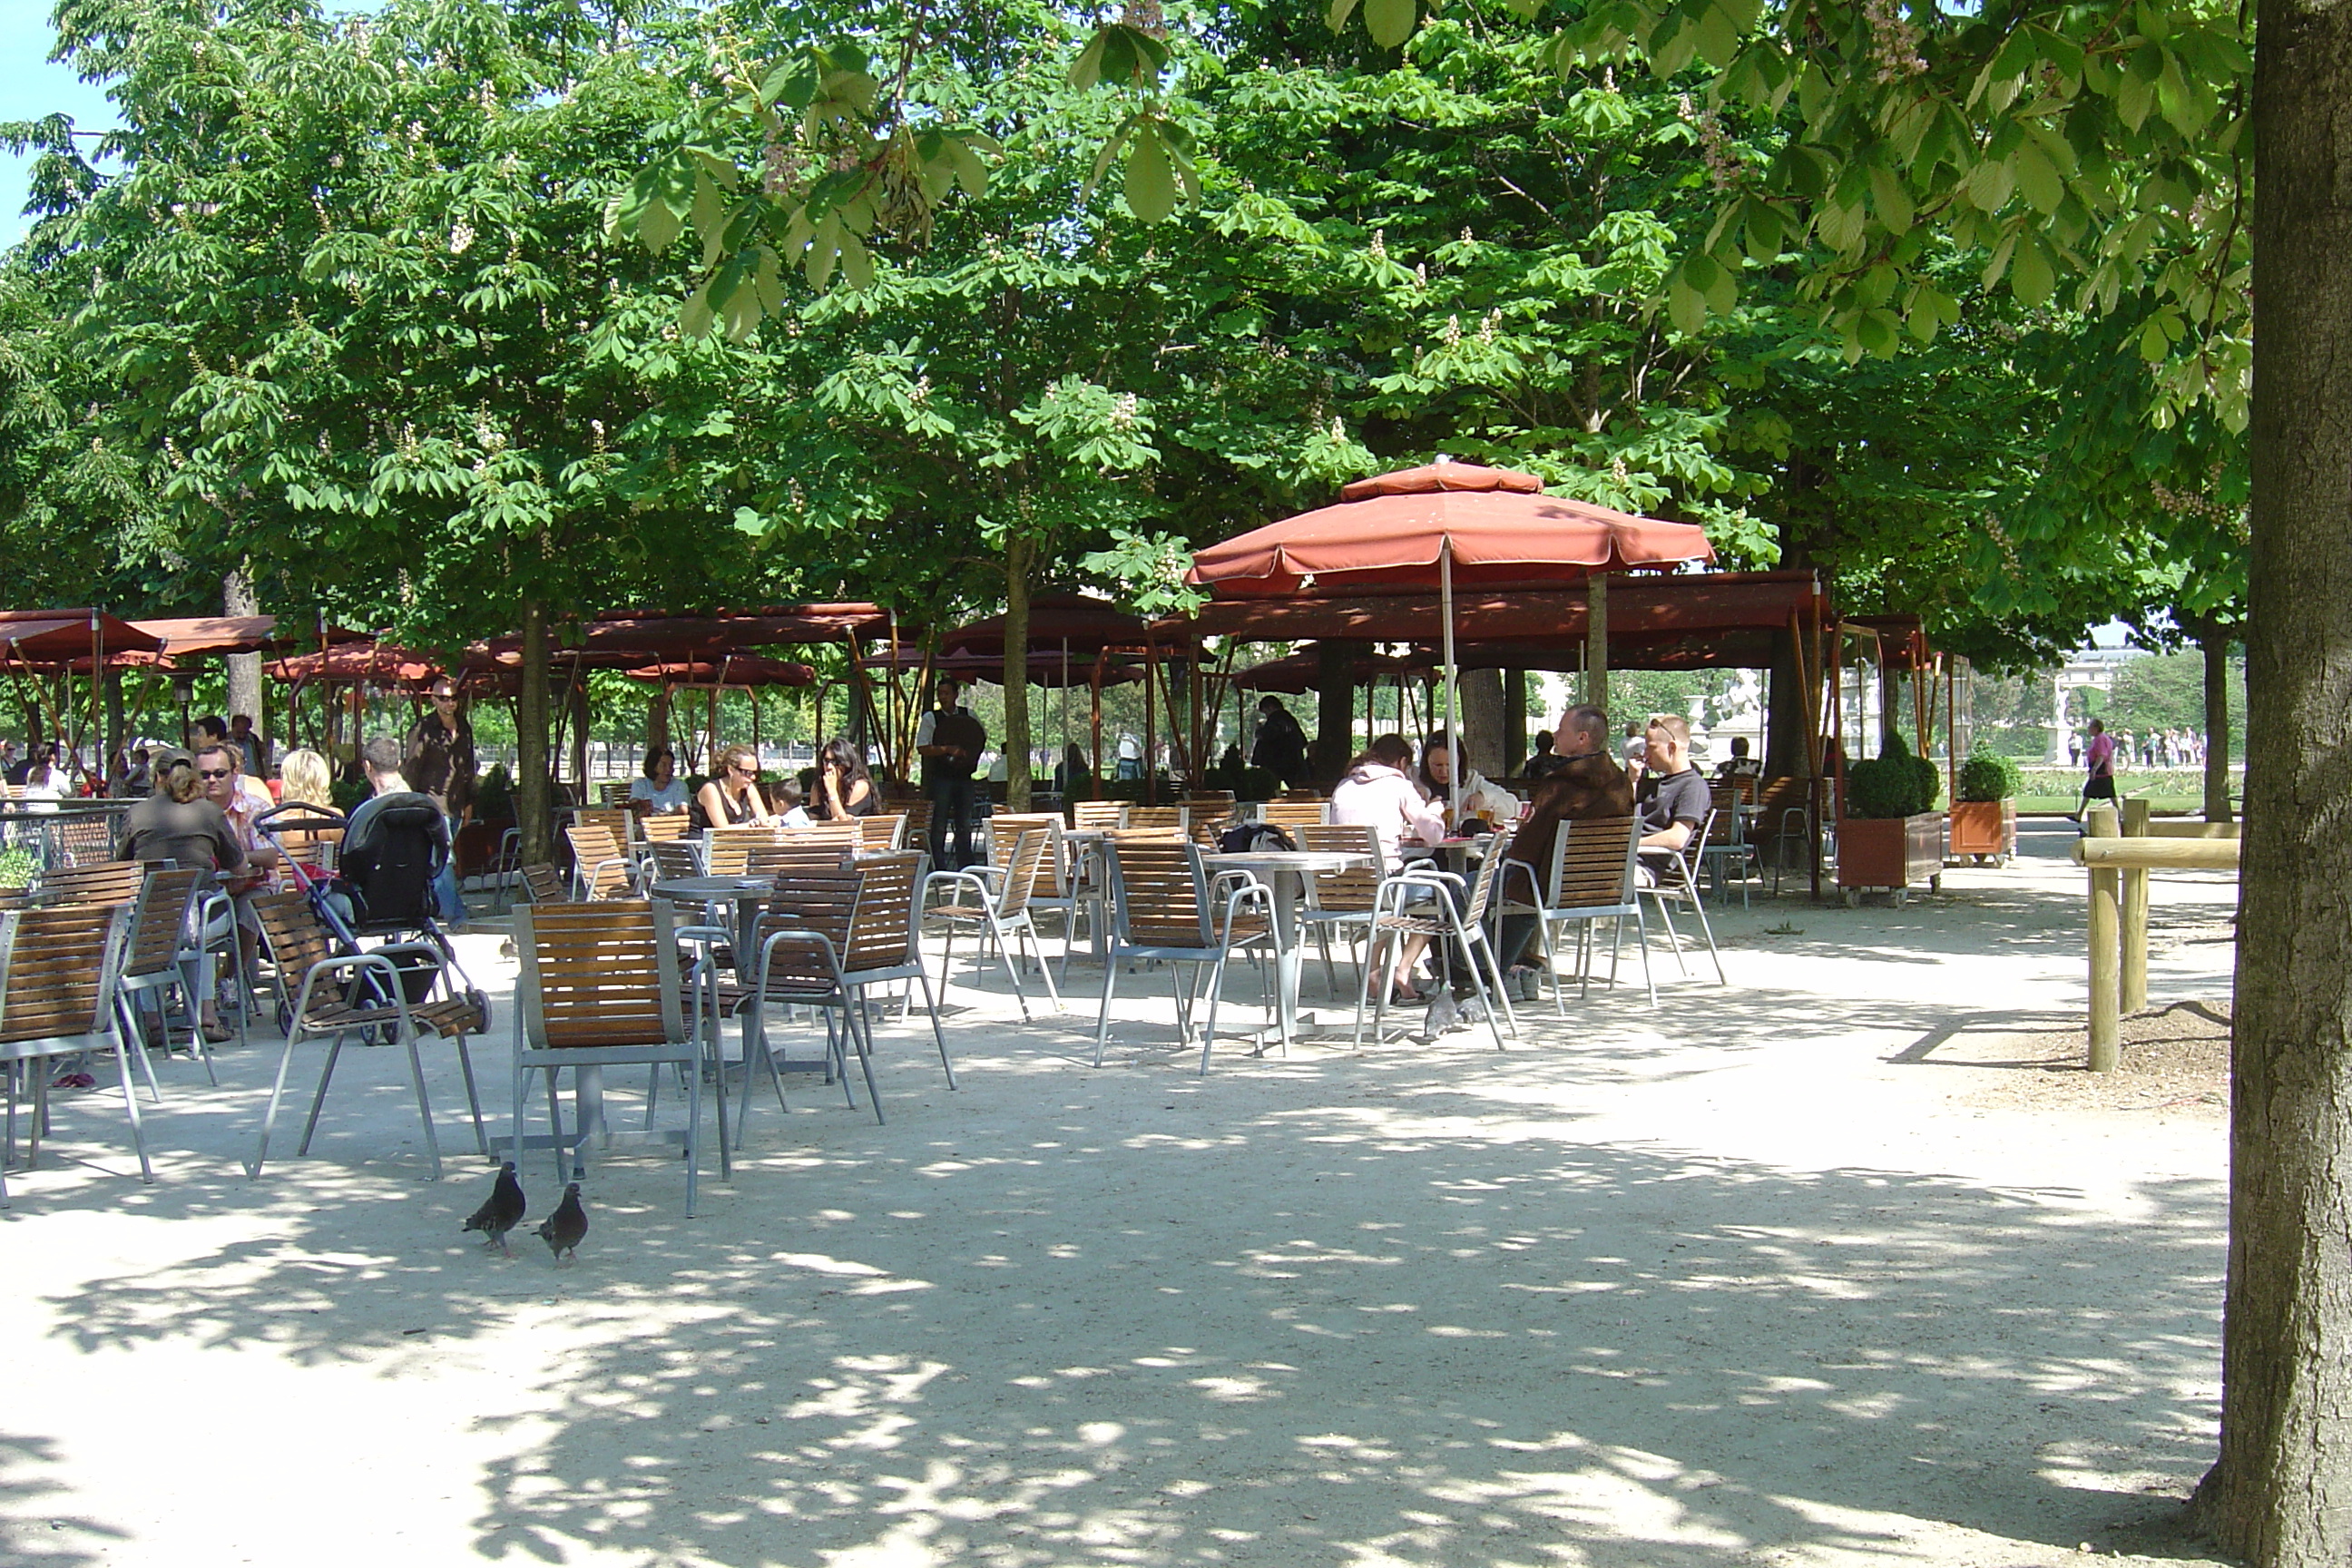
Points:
x=729 y=670
x=1429 y=527
x=1395 y=532
x=1302 y=670
x=1067 y=621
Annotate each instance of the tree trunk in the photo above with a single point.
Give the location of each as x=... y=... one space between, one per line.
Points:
x=1481 y=698
x=2280 y=1495
x=531 y=814
x=1596 y=639
x=1335 y=707
x=244 y=669
x=2214 y=643
x=1019 y=554
x=1514 y=721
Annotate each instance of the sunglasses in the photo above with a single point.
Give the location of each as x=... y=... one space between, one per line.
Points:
x=213 y=773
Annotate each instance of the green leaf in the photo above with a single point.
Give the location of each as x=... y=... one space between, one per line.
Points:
x=696 y=319
x=1989 y=186
x=1340 y=11
x=1892 y=202
x=2000 y=262
x=1150 y=179
x=1390 y=22
x=2031 y=280
x=2134 y=99
x=1686 y=307
x=2038 y=178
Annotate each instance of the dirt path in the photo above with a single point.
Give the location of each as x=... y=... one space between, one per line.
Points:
x=1795 y=1272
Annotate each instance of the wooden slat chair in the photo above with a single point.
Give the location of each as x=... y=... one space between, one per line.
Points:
x=543 y=884
x=1593 y=876
x=58 y=969
x=880 y=944
x=342 y=994
x=1783 y=821
x=1729 y=855
x=1153 y=816
x=152 y=967
x=601 y=867
x=845 y=837
x=1675 y=883
x=675 y=858
x=1097 y=814
x=613 y=793
x=600 y=986
x=797 y=853
x=1421 y=901
x=725 y=849
x=1295 y=814
x=1003 y=912
x=1058 y=891
x=1341 y=900
x=613 y=819
x=881 y=835
x=95 y=882
x=666 y=827
x=1162 y=911
x=917 y=814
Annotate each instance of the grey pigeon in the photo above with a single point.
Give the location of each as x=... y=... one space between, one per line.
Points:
x=565 y=1228
x=1444 y=1014
x=502 y=1210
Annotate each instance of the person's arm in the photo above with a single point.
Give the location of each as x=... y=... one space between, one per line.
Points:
x=858 y=798
x=759 y=803
x=713 y=802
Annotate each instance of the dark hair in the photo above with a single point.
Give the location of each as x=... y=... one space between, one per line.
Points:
x=1542 y=743
x=842 y=752
x=210 y=724
x=945 y=683
x=1739 y=745
x=1584 y=719
x=1461 y=760
x=787 y=793
x=382 y=754
x=1387 y=752
x=654 y=754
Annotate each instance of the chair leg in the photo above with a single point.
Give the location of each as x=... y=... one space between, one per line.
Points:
x=130 y=1101
x=1706 y=930
x=1471 y=948
x=940 y=1039
x=1037 y=945
x=1216 y=989
x=326 y=1072
x=424 y=1106
x=1012 y=971
x=694 y=1133
x=1102 y=1023
x=269 y=1116
x=719 y=1096
x=473 y=1098
x=1674 y=938
x=1642 y=930
x=864 y=1049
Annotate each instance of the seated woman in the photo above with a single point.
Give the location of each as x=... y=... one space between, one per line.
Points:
x=178 y=824
x=1377 y=793
x=844 y=789
x=731 y=798
x=1439 y=761
x=660 y=792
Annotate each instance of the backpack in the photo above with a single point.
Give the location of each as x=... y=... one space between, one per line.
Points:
x=1254 y=838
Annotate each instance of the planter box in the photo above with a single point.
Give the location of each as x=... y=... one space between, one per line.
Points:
x=478 y=845
x=1984 y=828
x=1893 y=852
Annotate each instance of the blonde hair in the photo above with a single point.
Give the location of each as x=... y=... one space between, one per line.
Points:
x=735 y=757
x=176 y=780
x=306 y=778
x=1675 y=725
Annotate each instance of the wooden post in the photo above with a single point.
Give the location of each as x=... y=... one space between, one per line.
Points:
x=2135 y=914
x=2106 y=970
x=1596 y=640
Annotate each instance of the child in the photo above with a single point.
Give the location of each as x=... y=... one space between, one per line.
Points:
x=788 y=797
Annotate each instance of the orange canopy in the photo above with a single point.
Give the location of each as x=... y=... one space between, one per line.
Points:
x=1388 y=534
x=734 y=669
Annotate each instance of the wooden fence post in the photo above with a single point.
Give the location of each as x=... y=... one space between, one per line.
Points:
x=2106 y=968
x=2133 y=986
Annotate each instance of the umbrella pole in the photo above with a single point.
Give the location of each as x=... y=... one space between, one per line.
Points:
x=1095 y=686
x=1452 y=722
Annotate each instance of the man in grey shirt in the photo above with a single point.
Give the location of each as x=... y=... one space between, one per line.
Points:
x=1673 y=798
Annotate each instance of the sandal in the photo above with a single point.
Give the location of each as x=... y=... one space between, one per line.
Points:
x=217 y=1032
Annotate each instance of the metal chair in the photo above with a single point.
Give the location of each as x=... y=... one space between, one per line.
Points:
x=1153 y=816
x=544 y=884
x=1727 y=847
x=1421 y=901
x=1593 y=876
x=1295 y=814
x=1341 y=899
x=1162 y=911
x=726 y=850
x=58 y=968
x=1002 y=910
x=599 y=986
x=601 y=867
x=1677 y=883
x=1096 y=814
x=879 y=835
x=342 y=994
x=152 y=966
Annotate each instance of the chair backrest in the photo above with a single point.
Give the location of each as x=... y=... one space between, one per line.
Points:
x=1096 y=813
x=676 y=858
x=666 y=829
x=614 y=820
x=725 y=849
x=57 y=970
x=1351 y=890
x=1152 y=816
x=823 y=901
x=918 y=819
x=1030 y=858
x=96 y=882
x=777 y=861
x=846 y=836
x=161 y=924
x=597 y=975
x=1488 y=878
x=1208 y=814
x=1294 y=813
x=545 y=885
x=1209 y=797
x=297 y=939
x=887 y=927
x=1156 y=888
x=614 y=792
x=1693 y=853
x=1725 y=794
x=601 y=861
x=1005 y=831
x=1593 y=863
x=878 y=834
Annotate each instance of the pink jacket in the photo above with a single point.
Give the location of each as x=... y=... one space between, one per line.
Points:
x=1389 y=803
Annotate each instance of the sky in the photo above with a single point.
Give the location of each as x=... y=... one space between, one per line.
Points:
x=30 y=88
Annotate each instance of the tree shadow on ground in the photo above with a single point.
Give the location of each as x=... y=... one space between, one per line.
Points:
x=35 y=1532
x=1044 y=1326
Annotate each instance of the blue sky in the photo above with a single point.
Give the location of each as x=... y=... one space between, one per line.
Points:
x=29 y=88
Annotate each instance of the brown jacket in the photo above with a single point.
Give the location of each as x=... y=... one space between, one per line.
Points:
x=1579 y=789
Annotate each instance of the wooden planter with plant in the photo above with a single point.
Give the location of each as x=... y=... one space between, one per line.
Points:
x=1891 y=837
x=1984 y=819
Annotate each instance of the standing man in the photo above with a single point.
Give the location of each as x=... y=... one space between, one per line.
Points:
x=439 y=761
x=255 y=746
x=1281 y=748
x=950 y=741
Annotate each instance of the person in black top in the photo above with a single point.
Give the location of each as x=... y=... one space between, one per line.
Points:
x=178 y=824
x=950 y=741
x=1281 y=748
x=1542 y=759
x=1672 y=798
x=843 y=788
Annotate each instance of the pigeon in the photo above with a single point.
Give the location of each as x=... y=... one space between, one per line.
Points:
x=565 y=1228
x=502 y=1210
x=1443 y=1016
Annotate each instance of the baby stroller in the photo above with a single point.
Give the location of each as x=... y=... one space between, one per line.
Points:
x=380 y=890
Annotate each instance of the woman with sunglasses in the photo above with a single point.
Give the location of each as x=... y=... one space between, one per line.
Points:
x=843 y=788
x=731 y=798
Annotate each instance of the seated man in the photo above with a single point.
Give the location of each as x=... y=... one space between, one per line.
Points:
x=374 y=859
x=1581 y=783
x=1740 y=766
x=1673 y=799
